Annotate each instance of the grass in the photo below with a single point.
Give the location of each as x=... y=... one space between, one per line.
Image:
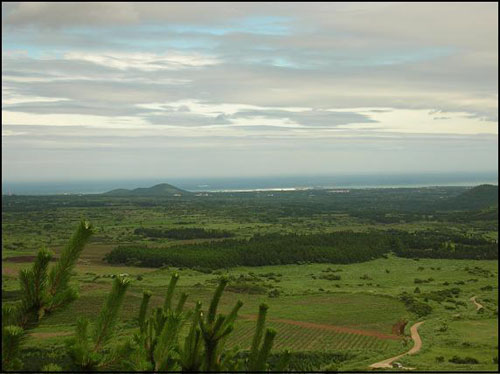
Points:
x=369 y=308
x=364 y=298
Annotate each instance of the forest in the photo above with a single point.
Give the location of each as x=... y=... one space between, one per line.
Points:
x=336 y=248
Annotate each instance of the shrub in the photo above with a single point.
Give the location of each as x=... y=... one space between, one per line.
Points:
x=274 y=293
x=413 y=305
x=330 y=277
x=464 y=360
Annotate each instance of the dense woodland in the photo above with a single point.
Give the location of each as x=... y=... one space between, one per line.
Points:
x=341 y=247
x=338 y=248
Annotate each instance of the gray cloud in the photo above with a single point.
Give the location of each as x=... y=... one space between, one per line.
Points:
x=369 y=60
x=313 y=118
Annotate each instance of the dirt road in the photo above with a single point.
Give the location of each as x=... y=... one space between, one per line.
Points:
x=385 y=364
x=478 y=306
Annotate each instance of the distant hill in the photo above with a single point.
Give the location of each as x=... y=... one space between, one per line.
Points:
x=480 y=197
x=162 y=189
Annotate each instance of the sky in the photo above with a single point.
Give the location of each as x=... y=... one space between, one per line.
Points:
x=158 y=90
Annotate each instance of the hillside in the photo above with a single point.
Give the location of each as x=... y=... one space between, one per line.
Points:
x=162 y=189
x=480 y=197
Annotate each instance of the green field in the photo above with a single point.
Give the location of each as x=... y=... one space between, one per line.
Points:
x=348 y=320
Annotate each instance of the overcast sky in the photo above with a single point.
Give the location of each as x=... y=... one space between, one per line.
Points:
x=147 y=90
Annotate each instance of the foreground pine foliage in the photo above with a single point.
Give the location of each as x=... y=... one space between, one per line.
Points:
x=169 y=338
x=42 y=292
x=159 y=345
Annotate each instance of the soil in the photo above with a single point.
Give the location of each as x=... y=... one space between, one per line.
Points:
x=478 y=306
x=387 y=363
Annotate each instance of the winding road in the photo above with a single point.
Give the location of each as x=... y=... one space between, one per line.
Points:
x=478 y=306
x=387 y=363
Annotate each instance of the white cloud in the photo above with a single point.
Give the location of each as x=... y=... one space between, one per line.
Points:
x=144 y=61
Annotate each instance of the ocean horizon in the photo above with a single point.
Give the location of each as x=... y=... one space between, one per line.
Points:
x=247 y=184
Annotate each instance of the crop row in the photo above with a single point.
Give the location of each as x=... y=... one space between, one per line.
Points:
x=298 y=338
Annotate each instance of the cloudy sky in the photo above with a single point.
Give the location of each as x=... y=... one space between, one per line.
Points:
x=140 y=90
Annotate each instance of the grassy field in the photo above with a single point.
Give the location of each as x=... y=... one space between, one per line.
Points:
x=353 y=315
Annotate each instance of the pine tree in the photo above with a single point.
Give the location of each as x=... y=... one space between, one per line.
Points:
x=41 y=293
x=87 y=350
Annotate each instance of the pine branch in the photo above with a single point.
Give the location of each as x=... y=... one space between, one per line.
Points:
x=265 y=350
x=215 y=300
x=190 y=356
x=181 y=302
x=259 y=331
x=170 y=292
x=12 y=337
x=10 y=315
x=61 y=273
x=167 y=342
x=146 y=295
x=109 y=313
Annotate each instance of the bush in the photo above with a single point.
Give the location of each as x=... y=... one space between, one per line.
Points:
x=463 y=360
x=414 y=306
x=274 y=293
x=330 y=277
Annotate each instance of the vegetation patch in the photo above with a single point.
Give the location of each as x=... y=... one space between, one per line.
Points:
x=272 y=249
x=183 y=233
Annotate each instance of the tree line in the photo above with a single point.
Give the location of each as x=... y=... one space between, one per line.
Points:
x=271 y=249
x=339 y=247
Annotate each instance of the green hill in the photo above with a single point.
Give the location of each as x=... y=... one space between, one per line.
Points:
x=480 y=197
x=162 y=189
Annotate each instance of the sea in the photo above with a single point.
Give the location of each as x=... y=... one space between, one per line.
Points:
x=267 y=183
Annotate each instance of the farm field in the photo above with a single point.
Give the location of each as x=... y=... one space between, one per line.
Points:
x=337 y=315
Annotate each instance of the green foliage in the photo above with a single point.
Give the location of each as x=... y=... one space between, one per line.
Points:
x=41 y=293
x=444 y=244
x=59 y=276
x=108 y=317
x=272 y=249
x=183 y=233
x=413 y=305
x=52 y=367
x=158 y=345
x=34 y=288
x=463 y=360
x=10 y=315
x=146 y=295
x=86 y=349
x=190 y=355
x=12 y=337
